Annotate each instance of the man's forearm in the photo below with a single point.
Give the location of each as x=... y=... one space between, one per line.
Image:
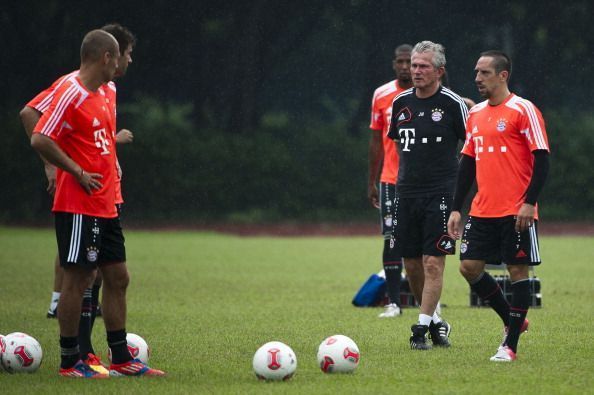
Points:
x=49 y=150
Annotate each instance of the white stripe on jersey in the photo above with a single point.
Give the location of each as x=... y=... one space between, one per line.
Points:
x=534 y=254
x=463 y=107
x=404 y=93
x=58 y=113
x=75 y=237
x=45 y=103
x=534 y=124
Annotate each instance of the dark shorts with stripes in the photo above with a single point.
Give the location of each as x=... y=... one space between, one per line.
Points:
x=421 y=226
x=387 y=193
x=495 y=239
x=89 y=241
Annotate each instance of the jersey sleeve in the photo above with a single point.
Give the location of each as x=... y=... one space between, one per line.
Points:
x=42 y=101
x=393 y=132
x=460 y=118
x=54 y=121
x=377 y=119
x=468 y=148
x=532 y=126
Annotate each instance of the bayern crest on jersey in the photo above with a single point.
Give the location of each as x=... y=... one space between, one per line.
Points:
x=436 y=114
x=501 y=124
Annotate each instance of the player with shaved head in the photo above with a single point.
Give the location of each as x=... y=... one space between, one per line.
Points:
x=77 y=135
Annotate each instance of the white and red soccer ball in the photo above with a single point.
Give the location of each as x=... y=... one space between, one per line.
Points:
x=338 y=354
x=274 y=361
x=20 y=352
x=137 y=346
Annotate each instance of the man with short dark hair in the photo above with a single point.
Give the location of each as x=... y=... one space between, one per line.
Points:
x=77 y=135
x=383 y=167
x=428 y=121
x=506 y=152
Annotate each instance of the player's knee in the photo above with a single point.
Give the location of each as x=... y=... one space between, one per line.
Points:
x=469 y=271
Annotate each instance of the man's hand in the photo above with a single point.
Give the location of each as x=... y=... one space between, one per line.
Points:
x=454 y=225
x=373 y=195
x=525 y=217
x=89 y=181
x=50 y=173
x=124 y=136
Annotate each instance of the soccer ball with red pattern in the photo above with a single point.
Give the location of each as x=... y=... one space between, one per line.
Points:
x=21 y=353
x=338 y=354
x=274 y=361
x=137 y=346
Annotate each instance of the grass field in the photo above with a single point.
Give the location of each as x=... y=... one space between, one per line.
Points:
x=206 y=302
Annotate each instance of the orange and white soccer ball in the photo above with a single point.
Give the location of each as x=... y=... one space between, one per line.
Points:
x=21 y=353
x=274 y=361
x=338 y=354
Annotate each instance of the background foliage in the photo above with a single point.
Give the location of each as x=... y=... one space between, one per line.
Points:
x=251 y=111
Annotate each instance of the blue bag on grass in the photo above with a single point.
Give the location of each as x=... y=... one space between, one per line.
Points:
x=371 y=292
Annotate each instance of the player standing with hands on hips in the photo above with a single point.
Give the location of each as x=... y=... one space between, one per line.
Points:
x=77 y=135
x=428 y=121
x=507 y=153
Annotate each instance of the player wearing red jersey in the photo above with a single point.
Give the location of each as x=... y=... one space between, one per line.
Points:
x=506 y=152
x=76 y=134
x=30 y=115
x=383 y=167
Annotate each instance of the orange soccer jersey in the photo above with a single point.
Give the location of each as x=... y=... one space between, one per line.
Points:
x=501 y=140
x=381 y=113
x=81 y=123
x=42 y=102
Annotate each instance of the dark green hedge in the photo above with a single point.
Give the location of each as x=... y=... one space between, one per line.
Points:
x=290 y=169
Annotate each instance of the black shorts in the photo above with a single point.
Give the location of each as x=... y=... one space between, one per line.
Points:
x=421 y=226
x=495 y=239
x=387 y=193
x=89 y=241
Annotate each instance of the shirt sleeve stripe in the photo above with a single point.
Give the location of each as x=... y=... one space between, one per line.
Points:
x=458 y=99
x=534 y=124
x=58 y=114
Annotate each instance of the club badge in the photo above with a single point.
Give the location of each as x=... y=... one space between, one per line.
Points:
x=501 y=124
x=92 y=254
x=436 y=114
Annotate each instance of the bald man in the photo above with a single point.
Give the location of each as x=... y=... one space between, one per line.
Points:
x=77 y=135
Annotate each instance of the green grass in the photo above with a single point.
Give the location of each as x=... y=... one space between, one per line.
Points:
x=206 y=302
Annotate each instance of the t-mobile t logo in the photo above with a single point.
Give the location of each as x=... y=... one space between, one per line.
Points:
x=478 y=146
x=407 y=136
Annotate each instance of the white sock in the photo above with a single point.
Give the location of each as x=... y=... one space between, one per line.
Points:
x=424 y=319
x=54 y=300
x=436 y=319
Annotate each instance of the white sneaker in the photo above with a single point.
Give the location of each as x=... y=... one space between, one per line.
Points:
x=504 y=354
x=392 y=310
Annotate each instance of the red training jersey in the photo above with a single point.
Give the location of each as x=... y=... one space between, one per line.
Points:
x=81 y=123
x=501 y=140
x=42 y=101
x=381 y=114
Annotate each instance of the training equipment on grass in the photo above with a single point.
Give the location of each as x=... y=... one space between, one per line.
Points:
x=21 y=353
x=338 y=354
x=138 y=348
x=274 y=361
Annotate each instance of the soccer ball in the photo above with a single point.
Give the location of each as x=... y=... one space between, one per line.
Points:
x=338 y=354
x=137 y=346
x=21 y=353
x=2 y=347
x=274 y=361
